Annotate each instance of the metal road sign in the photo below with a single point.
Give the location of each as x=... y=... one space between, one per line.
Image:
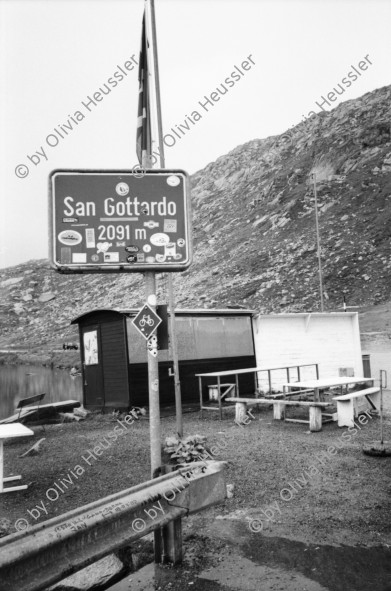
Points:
x=146 y=321
x=117 y=221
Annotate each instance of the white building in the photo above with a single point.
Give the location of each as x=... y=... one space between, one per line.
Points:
x=332 y=340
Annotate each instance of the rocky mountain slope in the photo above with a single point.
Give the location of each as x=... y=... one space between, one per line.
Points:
x=254 y=232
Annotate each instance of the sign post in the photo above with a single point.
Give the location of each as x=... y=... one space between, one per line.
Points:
x=120 y=221
x=169 y=544
x=153 y=381
x=117 y=221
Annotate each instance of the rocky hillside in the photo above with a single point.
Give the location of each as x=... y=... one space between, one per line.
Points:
x=254 y=232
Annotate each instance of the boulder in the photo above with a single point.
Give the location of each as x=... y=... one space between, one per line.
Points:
x=18 y=308
x=6 y=527
x=81 y=412
x=11 y=281
x=46 y=297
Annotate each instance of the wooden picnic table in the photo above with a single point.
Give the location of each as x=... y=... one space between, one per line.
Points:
x=222 y=374
x=219 y=375
x=8 y=432
x=325 y=384
x=236 y=373
x=321 y=384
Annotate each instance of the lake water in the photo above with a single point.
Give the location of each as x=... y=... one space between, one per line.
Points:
x=21 y=381
x=378 y=346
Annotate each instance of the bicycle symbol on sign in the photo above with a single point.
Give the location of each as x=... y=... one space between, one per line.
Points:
x=146 y=319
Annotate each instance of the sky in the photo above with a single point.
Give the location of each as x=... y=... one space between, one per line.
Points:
x=57 y=53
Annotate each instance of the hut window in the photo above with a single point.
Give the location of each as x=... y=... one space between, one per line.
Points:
x=90 y=343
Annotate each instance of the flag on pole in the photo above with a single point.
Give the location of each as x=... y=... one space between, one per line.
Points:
x=144 y=136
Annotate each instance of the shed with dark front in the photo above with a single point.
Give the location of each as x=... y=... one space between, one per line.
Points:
x=114 y=355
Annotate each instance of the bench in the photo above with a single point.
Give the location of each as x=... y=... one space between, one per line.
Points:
x=8 y=432
x=23 y=402
x=23 y=411
x=315 y=409
x=286 y=393
x=350 y=405
x=45 y=410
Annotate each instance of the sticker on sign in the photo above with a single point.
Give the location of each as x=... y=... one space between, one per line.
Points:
x=121 y=215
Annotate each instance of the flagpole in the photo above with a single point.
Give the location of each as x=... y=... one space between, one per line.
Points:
x=150 y=287
x=318 y=244
x=157 y=84
x=171 y=298
x=168 y=541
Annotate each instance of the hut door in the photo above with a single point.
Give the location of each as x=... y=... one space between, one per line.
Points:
x=92 y=365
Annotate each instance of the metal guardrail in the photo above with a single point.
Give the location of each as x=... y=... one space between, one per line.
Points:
x=54 y=549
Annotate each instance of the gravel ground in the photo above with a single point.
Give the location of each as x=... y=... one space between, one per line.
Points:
x=286 y=484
